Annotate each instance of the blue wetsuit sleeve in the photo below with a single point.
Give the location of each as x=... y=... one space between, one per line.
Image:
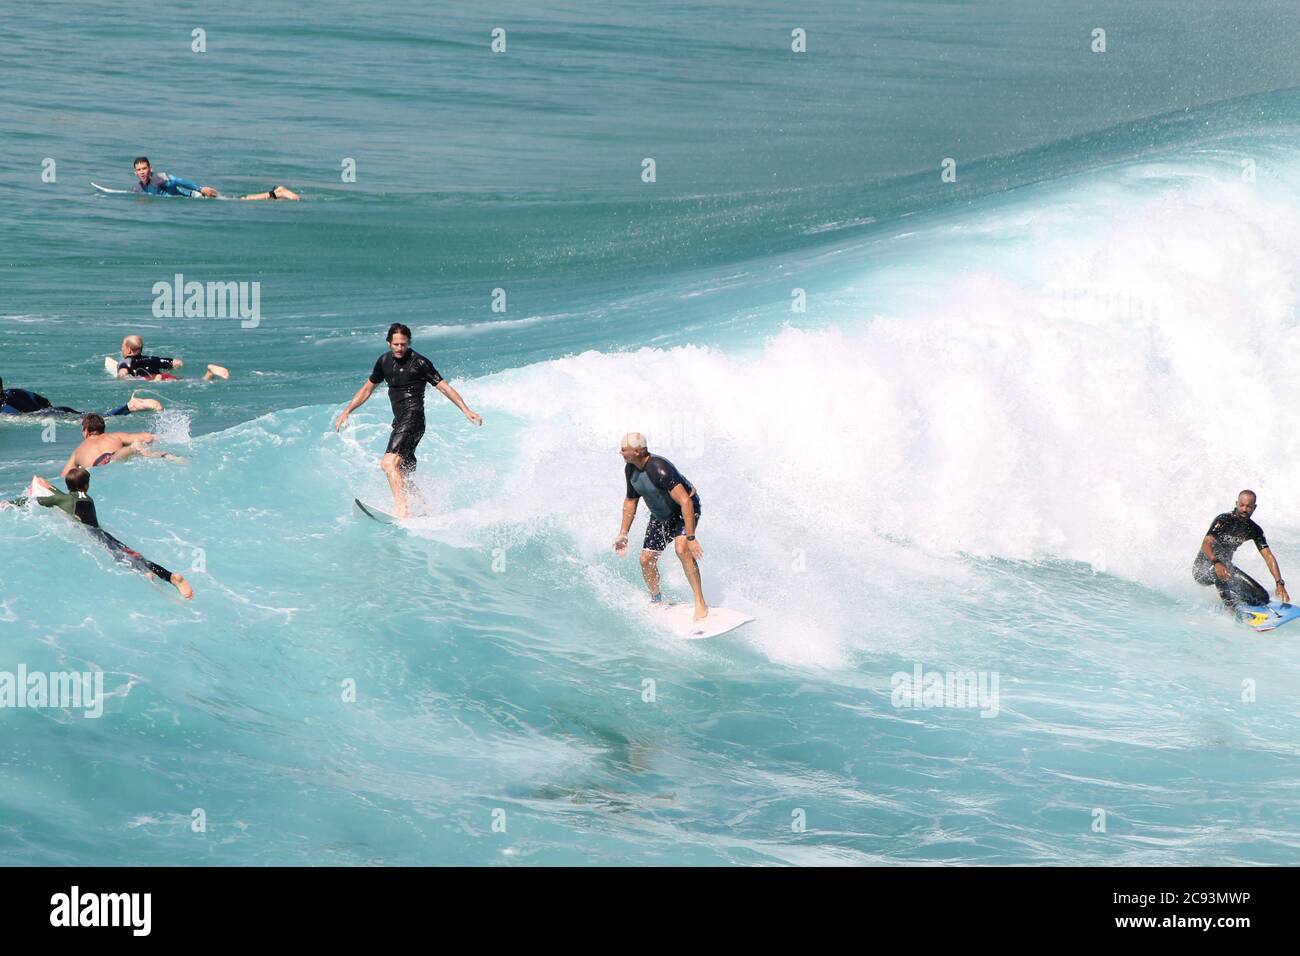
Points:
x=377 y=373
x=182 y=186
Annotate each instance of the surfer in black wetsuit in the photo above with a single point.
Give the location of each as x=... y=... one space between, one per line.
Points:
x=1213 y=564
x=674 y=512
x=407 y=372
x=21 y=401
x=77 y=503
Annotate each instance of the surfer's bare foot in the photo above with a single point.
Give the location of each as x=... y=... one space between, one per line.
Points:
x=215 y=371
x=143 y=404
x=183 y=586
x=701 y=612
x=164 y=454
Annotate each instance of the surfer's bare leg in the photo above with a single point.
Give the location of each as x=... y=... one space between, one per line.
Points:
x=126 y=451
x=216 y=371
x=650 y=571
x=391 y=464
x=147 y=453
x=143 y=404
x=692 y=570
x=279 y=192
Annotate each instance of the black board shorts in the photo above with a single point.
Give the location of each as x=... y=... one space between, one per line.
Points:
x=407 y=433
x=659 y=533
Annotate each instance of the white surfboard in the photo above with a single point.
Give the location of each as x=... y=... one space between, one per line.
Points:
x=113 y=192
x=110 y=365
x=720 y=620
x=382 y=517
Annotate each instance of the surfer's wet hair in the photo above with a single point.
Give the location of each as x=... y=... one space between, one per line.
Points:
x=93 y=423
x=142 y=159
x=397 y=328
x=78 y=479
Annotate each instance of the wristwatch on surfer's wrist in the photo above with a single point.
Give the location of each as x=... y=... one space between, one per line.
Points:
x=690 y=537
x=1281 y=583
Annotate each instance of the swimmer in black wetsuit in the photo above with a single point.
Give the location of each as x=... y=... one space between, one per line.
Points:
x=674 y=512
x=1213 y=564
x=20 y=401
x=156 y=368
x=407 y=372
x=78 y=504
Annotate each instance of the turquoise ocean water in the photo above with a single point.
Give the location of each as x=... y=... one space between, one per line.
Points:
x=990 y=443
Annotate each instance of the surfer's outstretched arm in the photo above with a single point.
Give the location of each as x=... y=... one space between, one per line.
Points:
x=444 y=386
x=1273 y=569
x=629 y=514
x=360 y=398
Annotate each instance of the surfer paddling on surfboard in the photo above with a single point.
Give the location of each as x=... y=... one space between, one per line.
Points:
x=98 y=448
x=78 y=504
x=160 y=184
x=20 y=401
x=155 y=368
x=407 y=372
x=674 y=512
x=1213 y=564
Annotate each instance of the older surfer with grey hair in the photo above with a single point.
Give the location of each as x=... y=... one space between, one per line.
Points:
x=674 y=514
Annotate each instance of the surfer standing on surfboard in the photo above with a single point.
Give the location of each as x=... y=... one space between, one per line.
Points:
x=407 y=372
x=674 y=513
x=1213 y=564
x=161 y=184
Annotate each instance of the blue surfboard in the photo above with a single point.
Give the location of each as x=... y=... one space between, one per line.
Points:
x=1268 y=617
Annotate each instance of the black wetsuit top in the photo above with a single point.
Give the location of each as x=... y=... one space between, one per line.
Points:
x=75 y=504
x=655 y=484
x=144 y=366
x=406 y=380
x=22 y=401
x=1230 y=531
x=80 y=506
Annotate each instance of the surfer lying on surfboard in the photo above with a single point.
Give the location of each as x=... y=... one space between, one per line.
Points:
x=20 y=401
x=161 y=184
x=156 y=368
x=99 y=448
x=77 y=503
x=1213 y=564
x=407 y=372
x=674 y=513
